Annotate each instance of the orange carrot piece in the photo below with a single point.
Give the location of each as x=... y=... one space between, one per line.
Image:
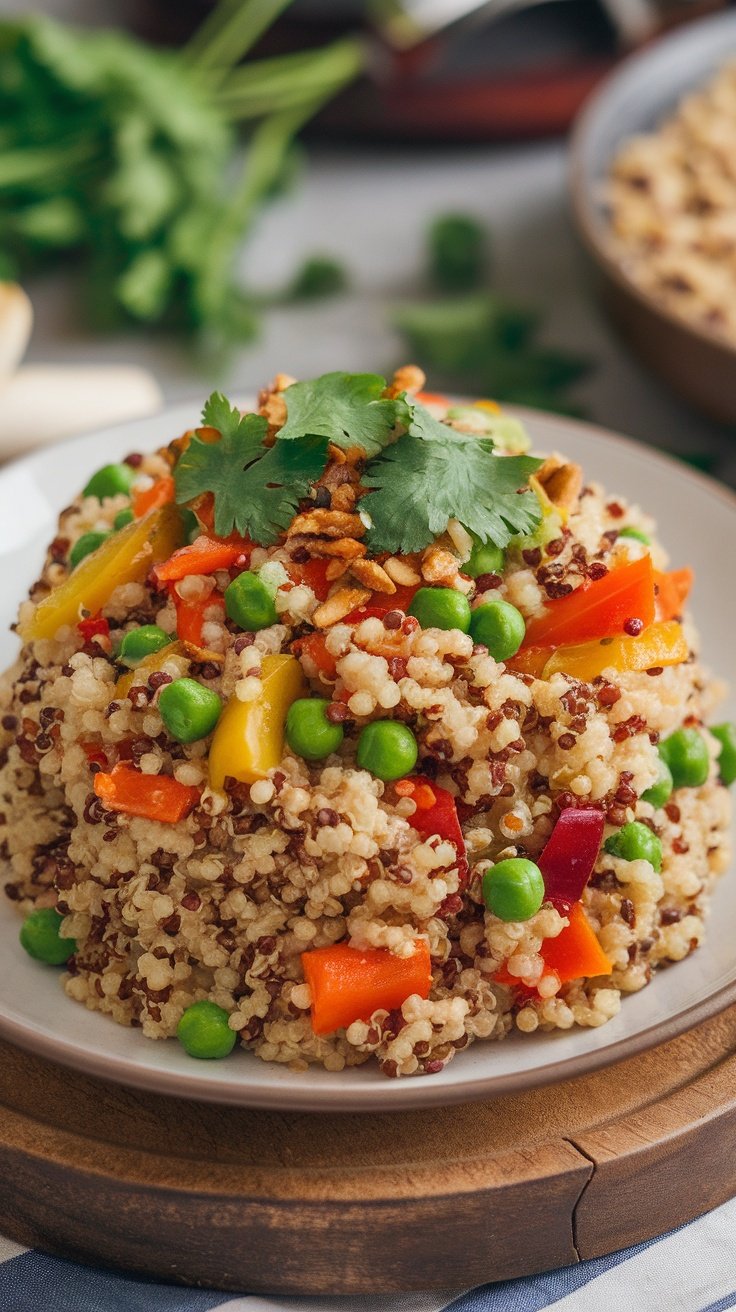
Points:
x=314 y=646
x=159 y=494
x=530 y=660
x=597 y=610
x=431 y=398
x=673 y=590
x=203 y=556
x=348 y=984
x=576 y=952
x=152 y=796
x=190 y=615
x=313 y=572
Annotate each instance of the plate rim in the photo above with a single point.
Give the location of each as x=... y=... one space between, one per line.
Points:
x=389 y=1095
x=583 y=207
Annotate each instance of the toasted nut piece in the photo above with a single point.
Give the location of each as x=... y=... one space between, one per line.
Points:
x=336 y=569
x=203 y=653
x=409 y=378
x=338 y=606
x=401 y=572
x=373 y=575
x=561 y=480
x=345 y=548
x=274 y=410
x=439 y=566
x=327 y=524
x=344 y=497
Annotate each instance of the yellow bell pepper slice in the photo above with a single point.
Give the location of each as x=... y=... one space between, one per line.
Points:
x=174 y=652
x=249 y=738
x=125 y=557
x=660 y=644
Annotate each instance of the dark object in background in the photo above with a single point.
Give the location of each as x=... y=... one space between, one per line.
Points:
x=523 y=75
x=693 y=359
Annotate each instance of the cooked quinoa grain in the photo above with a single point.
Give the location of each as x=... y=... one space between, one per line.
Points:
x=206 y=870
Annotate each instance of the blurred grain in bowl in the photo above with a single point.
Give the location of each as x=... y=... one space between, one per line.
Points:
x=696 y=358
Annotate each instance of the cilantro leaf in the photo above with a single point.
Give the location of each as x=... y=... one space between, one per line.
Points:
x=256 y=489
x=434 y=474
x=347 y=409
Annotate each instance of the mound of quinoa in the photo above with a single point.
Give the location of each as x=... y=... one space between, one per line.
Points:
x=222 y=904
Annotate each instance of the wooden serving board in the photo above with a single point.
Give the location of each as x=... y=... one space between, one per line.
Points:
x=303 y=1204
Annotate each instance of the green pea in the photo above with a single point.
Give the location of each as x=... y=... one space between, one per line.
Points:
x=635 y=842
x=110 y=481
x=499 y=626
x=140 y=643
x=638 y=534
x=203 y=1031
x=441 y=608
x=249 y=603
x=39 y=936
x=661 y=790
x=122 y=518
x=308 y=731
x=84 y=546
x=189 y=711
x=485 y=558
x=686 y=754
x=388 y=749
x=726 y=735
x=513 y=889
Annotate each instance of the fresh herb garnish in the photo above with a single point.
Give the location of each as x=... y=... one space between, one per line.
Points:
x=256 y=489
x=419 y=478
x=434 y=474
x=459 y=258
x=348 y=409
x=127 y=156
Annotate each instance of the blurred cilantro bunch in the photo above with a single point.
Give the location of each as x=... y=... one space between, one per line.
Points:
x=471 y=339
x=126 y=157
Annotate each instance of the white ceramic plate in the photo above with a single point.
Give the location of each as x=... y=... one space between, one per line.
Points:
x=698 y=523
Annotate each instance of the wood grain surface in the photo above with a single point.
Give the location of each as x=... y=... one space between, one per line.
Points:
x=298 y=1203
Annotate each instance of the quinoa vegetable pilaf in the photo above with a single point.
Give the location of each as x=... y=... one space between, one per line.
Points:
x=348 y=729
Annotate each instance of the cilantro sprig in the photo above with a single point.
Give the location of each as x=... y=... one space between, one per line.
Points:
x=348 y=409
x=435 y=474
x=256 y=489
x=419 y=473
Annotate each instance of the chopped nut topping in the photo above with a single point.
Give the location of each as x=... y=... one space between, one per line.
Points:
x=338 y=606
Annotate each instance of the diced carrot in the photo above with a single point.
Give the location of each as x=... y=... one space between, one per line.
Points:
x=348 y=984
x=380 y=603
x=314 y=646
x=597 y=609
x=673 y=590
x=313 y=573
x=576 y=952
x=152 y=796
x=159 y=494
x=530 y=660
x=431 y=398
x=203 y=556
x=190 y=615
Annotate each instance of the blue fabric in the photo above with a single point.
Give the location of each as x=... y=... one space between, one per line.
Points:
x=34 y=1282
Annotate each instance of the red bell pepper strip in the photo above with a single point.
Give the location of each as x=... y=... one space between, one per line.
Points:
x=94 y=626
x=203 y=556
x=152 y=796
x=348 y=984
x=673 y=590
x=381 y=603
x=313 y=573
x=190 y=615
x=597 y=609
x=569 y=855
x=159 y=494
x=314 y=646
x=576 y=952
x=436 y=813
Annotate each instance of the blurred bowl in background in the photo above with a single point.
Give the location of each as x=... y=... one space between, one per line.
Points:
x=693 y=359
